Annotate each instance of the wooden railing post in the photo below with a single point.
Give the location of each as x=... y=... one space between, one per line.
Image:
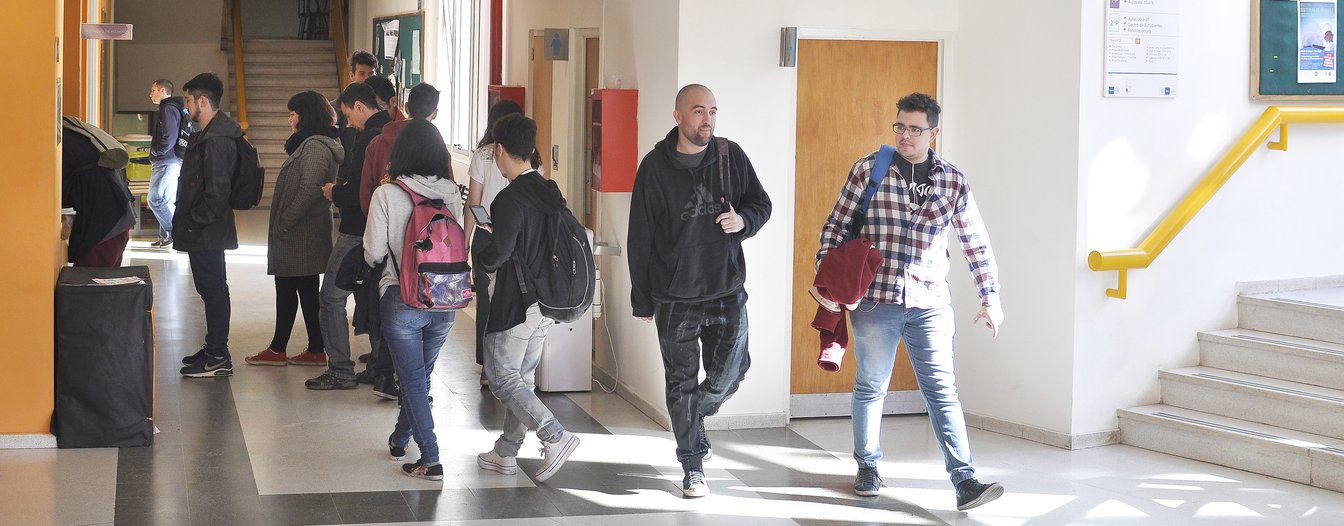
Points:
x=239 y=76
x=336 y=26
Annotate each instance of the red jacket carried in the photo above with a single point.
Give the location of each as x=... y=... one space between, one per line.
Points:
x=842 y=280
x=376 y=159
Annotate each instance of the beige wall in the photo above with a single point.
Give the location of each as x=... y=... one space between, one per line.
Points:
x=174 y=41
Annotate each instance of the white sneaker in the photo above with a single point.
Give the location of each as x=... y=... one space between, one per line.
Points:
x=693 y=485
x=555 y=454
x=493 y=462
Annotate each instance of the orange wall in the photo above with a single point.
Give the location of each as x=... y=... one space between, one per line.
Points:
x=30 y=218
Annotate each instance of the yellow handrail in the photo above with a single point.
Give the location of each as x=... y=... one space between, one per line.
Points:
x=336 y=26
x=1162 y=234
x=239 y=78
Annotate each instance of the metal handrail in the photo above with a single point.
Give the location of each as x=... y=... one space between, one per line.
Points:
x=1165 y=231
x=336 y=27
x=239 y=76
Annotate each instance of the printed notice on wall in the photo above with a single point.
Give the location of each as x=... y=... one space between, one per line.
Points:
x=1316 y=38
x=1142 y=39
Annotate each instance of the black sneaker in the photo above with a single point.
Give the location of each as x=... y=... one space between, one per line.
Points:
x=867 y=483
x=327 y=382
x=165 y=242
x=209 y=367
x=194 y=357
x=693 y=485
x=385 y=387
x=395 y=451
x=364 y=377
x=422 y=471
x=971 y=493
x=364 y=358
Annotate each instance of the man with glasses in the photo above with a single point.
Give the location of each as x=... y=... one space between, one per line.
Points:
x=920 y=199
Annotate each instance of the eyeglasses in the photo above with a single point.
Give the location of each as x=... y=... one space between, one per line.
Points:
x=915 y=131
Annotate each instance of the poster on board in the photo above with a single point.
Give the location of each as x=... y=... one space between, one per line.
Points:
x=1316 y=41
x=1142 y=41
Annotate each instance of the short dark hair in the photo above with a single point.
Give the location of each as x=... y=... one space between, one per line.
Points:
x=313 y=110
x=420 y=150
x=166 y=84
x=921 y=102
x=359 y=92
x=382 y=87
x=422 y=101
x=517 y=134
x=498 y=111
x=206 y=86
x=362 y=57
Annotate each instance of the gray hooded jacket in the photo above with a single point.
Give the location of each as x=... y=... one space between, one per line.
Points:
x=390 y=210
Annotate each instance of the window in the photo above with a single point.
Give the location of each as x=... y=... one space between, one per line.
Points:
x=460 y=77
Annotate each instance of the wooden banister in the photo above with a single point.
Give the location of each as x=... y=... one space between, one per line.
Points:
x=336 y=27
x=239 y=76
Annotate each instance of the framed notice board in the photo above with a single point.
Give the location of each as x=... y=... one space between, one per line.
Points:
x=1275 y=47
x=399 y=46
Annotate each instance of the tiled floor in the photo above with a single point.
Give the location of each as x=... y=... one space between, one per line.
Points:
x=260 y=449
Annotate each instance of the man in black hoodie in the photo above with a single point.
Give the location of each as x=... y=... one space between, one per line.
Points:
x=696 y=198
x=165 y=165
x=516 y=330
x=359 y=105
x=203 y=225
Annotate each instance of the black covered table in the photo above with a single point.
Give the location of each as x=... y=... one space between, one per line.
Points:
x=104 y=357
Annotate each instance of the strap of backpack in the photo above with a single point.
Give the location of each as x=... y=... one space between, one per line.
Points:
x=876 y=175
x=725 y=175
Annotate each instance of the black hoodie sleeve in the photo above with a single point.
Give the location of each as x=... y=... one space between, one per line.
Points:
x=165 y=134
x=753 y=204
x=645 y=209
x=507 y=220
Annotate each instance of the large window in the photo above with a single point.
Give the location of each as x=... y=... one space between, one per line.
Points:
x=462 y=58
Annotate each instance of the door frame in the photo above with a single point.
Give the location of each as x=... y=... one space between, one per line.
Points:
x=896 y=402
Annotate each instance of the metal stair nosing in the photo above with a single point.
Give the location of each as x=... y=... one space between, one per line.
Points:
x=1274 y=402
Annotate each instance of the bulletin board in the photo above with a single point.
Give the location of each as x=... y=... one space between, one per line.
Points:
x=1274 y=55
x=399 y=47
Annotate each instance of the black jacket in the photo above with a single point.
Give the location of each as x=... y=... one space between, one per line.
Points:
x=99 y=195
x=204 y=219
x=516 y=214
x=677 y=251
x=345 y=195
x=164 y=130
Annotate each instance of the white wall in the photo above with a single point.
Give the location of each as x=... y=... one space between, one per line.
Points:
x=166 y=45
x=522 y=16
x=270 y=19
x=1137 y=157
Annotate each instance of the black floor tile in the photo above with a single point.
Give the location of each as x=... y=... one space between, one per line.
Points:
x=363 y=514
x=317 y=508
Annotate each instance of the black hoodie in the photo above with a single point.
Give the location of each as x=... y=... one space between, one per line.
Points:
x=166 y=127
x=204 y=219
x=677 y=252
x=516 y=215
x=345 y=195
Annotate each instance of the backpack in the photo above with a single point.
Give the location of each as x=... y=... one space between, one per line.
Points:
x=564 y=283
x=433 y=269
x=184 y=130
x=881 y=165
x=249 y=178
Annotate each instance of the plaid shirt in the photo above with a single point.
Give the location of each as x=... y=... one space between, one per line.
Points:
x=913 y=240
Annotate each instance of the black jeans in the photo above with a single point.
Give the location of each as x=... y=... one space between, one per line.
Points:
x=719 y=329
x=290 y=292
x=207 y=271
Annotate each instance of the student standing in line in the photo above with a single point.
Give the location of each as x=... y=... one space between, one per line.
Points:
x=299 y=237
x=164 y=164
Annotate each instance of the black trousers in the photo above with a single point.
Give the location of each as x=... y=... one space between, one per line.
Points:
x=290 y=292
x=718 y=329
x=208 y=273
x=480 y=286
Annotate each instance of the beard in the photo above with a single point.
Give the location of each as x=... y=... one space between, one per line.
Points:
x=694 y=137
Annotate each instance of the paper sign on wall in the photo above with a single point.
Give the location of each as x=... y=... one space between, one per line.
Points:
x=1316 y=41
x=391 y=34
x=1142 y=40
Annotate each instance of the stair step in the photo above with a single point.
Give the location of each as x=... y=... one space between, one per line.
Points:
x=293 y=57
x=283 y=45
x=1292 y=455
x=1317 y=314
x=298 y=68
x=293 y=82
x=1272 y=355
x=1269 y=401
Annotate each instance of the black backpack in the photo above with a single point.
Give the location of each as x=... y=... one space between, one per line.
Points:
x=248 y=179
x=184 y=130
x=565 y=278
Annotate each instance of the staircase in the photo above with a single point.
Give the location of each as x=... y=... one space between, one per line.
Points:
x=275 y=71
x=1267 y=397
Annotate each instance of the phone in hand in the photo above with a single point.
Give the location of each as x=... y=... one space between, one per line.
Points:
x=481 y=215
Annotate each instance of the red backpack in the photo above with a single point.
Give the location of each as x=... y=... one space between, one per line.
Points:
x=433 y=269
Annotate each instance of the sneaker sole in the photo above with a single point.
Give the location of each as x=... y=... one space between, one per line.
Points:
x=330 y=388
x=394 y=457
x=307 y=364
x=384 y=396
x=217 y=373
x=496 y=467
x=695 y=493
x=562 y=457
x=994 y=492
x=265 y=362
x=424 y=477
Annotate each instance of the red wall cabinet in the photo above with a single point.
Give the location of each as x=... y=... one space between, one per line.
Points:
x=514 y=93
x=615 y=132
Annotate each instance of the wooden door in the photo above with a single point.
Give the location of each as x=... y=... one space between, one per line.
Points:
x=847 y=94
x=542 y=73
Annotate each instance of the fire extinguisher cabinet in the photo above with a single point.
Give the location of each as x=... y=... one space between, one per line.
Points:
x=615 y=133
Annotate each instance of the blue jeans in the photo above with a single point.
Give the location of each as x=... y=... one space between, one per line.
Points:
x=163 y=193
x=335 y=323
x=718 y=329
x=928 y=334
x=511 y=359
x=414 y=337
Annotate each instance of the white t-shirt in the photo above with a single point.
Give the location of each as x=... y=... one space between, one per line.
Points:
x=485 y=173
